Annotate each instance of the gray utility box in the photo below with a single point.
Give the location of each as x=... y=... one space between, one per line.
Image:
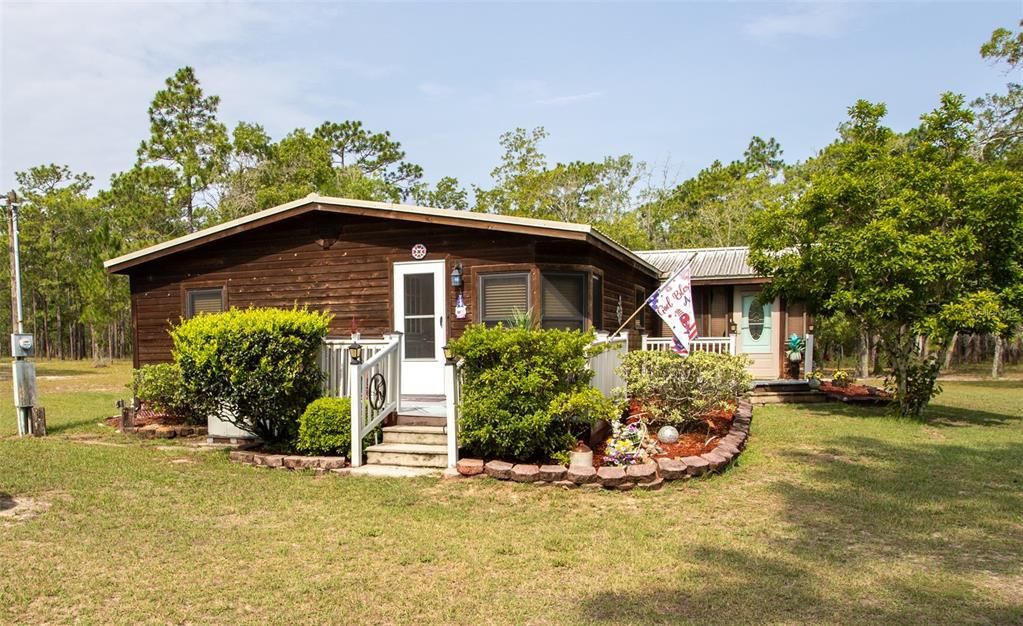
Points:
x=22 y=345
x=24 y=378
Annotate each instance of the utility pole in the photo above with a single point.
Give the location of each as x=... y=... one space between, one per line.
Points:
x=22 y=345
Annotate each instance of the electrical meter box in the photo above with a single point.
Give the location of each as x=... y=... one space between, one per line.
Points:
x=24 y=379
x=22 y=345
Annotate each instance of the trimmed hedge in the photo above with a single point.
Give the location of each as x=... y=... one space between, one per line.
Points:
x=526 y=392
x=326 y=427
x=257 y=368
x=161 y=388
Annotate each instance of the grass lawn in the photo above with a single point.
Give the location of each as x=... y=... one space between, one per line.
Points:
x=832 y=515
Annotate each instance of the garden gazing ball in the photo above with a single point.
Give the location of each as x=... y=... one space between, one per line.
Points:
x=667 y=434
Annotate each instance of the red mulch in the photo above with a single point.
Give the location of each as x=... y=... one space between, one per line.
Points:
x=145 y=417
x=689 y=443
x=854 y=391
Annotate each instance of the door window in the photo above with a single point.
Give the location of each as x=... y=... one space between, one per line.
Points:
x=420 y=317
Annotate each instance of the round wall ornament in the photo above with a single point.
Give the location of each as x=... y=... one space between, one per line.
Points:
x=418 y=251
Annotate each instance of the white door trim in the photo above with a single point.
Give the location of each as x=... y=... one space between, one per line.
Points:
x=422 y=376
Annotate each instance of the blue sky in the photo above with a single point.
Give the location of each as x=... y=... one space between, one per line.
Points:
x=684 y=83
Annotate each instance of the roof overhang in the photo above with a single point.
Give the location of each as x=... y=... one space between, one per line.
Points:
x=384 y=210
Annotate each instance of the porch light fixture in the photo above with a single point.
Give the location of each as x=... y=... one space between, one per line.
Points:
x=809 y=329
x=449 y=354
x=456 y=276
x=732 y=326
x=355 y=353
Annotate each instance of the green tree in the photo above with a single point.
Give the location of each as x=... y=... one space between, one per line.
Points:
x=446 y=195
x=186 y=137
x=597 y=192
x=893 y=231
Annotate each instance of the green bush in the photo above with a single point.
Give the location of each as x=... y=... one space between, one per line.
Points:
x=258 y=368
x=525 y=391
x=162 y=389
x=326 y=427
x=678 y=391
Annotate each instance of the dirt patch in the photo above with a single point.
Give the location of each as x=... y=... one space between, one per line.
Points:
x=21 y=508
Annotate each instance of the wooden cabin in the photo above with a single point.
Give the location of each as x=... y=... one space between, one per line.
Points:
x=427 y=273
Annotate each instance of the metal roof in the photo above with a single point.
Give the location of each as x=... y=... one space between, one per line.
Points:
x=387 y=209
x=705 y=263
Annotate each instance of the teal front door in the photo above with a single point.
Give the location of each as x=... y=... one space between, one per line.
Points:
x=756 y=325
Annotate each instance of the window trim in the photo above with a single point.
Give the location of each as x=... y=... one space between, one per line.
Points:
x=482 y=277
x=191 y=291
x=641 y=296
x=596 y=304
x=585 y=279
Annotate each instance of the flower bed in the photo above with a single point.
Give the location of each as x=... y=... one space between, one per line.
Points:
x=150 y=424
x=865 y=394
x=649 y=475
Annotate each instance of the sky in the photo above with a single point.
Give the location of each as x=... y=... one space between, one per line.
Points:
x=677 y=85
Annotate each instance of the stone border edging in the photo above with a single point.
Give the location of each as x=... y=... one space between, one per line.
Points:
x=164 y=431
x=643 y=476
x=318 y=464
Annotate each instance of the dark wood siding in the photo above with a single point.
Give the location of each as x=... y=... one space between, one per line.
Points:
x=293 y=263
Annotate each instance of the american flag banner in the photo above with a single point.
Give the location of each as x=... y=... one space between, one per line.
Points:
x=673 y=301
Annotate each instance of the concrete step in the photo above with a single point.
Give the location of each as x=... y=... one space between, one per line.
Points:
x=407 y=455
x=420 y=420
x=787 y=398
x=416 y=434
x=393 y=471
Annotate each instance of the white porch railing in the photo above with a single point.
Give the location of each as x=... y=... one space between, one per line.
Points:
x=452 y=398
x=605 y=365
x=334 y=361
x=719 y=345
x=376 y=392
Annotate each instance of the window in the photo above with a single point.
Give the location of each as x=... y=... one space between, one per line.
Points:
x=503 y=297
x=564 y=300
x=597 y=302
x=204 y=301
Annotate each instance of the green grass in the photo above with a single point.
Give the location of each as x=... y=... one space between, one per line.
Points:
x=833 y=515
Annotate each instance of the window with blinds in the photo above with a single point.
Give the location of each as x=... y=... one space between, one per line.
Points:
x=564 y=300
x=597 y=302
x=204 y=301
x=503 y=297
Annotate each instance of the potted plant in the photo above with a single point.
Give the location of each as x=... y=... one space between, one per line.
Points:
x=814 y=379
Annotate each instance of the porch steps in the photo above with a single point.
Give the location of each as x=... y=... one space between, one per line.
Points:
x=420 y=420
x=408 y=454
x=433 y=435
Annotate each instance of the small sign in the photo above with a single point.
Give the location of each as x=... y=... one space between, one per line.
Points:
x=418 y=251
x=460 y=308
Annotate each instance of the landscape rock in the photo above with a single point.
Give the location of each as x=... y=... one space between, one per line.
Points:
x=715 y=459
x=611 y=476
x=330 y=462
x=727 y=446
x=498 y=469
x=524 y=473
x=695 y=465
x=671 y=469
x=294 y=462
x=469 y=467
x=581 y=475
x=240 y=456
x=652 y=485
x=642 y=472
x=451 y=473
x=552 y=473
x=271 y=460
x=629 y=486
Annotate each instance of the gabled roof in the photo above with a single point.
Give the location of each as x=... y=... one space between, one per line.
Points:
x=706 y=264
x=314 y=202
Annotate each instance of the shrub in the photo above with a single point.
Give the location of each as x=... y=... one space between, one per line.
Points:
x=678 y=391
x=526 y=391
x=326 y=427
x=161 y=388
x=258 y=368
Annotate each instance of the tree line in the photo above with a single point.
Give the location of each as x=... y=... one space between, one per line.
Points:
x=192 y=171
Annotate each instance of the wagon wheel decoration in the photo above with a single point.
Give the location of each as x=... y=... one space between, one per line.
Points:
x=377 y=392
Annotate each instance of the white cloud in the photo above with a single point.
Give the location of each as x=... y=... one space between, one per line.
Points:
x=821 y=19
x=570 y=99
x=76 y=79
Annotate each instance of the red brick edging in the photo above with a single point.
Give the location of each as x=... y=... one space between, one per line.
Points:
x=642 y=476
x=318 y=464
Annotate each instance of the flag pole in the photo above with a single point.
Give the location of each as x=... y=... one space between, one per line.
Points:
x=626 y=322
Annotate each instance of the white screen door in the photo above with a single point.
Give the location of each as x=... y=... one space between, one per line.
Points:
x=419 y=308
